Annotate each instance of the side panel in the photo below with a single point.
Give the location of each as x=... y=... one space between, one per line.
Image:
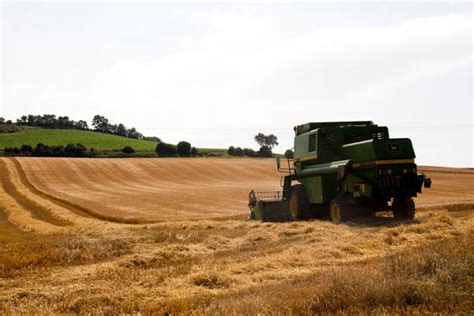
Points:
x=320 y=189
x=306 y=146
x=313 y=187
x=394 y=148
x=360 y=151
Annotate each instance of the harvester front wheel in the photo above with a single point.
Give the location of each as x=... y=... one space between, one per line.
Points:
x=403 y=208
x=299 y=205
x=341 y=209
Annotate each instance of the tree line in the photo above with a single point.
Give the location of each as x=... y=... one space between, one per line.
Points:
x=51 y=121
x=42 y=150
x=102 y=124
x=99 y=124
x=182 y=149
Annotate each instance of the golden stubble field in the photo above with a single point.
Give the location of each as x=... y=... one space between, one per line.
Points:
x=171 y=236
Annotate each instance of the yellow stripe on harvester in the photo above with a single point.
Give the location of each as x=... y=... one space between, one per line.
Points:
x=310 y=157
x=382 y=162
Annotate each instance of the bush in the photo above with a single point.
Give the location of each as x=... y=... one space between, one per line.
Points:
x=184 y=149
x=165 y=150
x=128 y=150
x=11 y=151
x=239 y=152
x=41 y=151
x=194 y=152
x=26 y=150
x=77 y=150
x=250 y=152
x=232 y=151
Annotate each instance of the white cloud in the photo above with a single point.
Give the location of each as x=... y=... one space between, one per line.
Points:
x=235 y=69
x=247 y=70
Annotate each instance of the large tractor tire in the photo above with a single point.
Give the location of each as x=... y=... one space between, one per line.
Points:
x=299 y=206
x=342 y=209
x=403 y=208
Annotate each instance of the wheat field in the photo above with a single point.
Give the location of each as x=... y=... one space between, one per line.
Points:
x=170 y=236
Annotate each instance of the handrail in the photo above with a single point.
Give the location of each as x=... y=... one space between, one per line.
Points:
x=289 y=168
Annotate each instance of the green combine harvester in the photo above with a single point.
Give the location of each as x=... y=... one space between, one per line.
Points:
x=342 y=170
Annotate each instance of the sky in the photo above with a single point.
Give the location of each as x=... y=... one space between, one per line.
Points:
x=217 y=73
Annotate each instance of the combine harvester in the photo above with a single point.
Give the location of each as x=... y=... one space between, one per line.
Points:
x=343 y=170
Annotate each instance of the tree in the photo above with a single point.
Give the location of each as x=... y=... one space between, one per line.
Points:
x=184 y=149
x=289 y=154
x=31 y=120
x=194 y=151
x=82 y=125
x=121 y=130
x=231 y=151
x=269 y=141
x=101 y=124
x=112 y=129
x=2 y=120
x=132 y=133
x=22 y=120
x=63 y=122
x=165 y=150
x=266 y=142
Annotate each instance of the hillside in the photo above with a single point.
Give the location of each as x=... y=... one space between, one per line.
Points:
x=98 y=141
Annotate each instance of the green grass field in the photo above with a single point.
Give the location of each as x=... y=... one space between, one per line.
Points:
x=98 y=141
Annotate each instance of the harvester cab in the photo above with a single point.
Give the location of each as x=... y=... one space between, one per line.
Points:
x=342 y=170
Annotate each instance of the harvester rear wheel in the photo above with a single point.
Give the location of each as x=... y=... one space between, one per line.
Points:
x=403 y=208
x=299 y=205
x=341 y=209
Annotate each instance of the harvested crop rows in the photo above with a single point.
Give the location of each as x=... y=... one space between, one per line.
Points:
x=170 y=235
x=151 y=189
